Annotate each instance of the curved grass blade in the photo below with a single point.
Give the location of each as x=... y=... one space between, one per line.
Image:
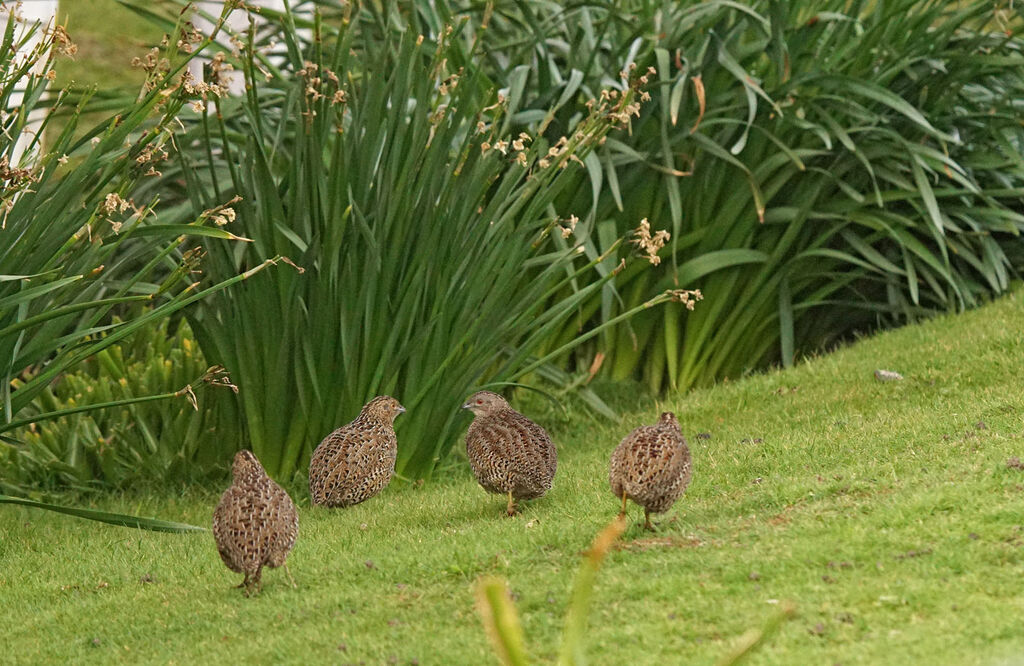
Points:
x=501 y=621
x=571 y=652
x=124 y=520
x=749 y=641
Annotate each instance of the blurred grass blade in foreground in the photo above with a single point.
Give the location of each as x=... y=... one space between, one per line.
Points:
x=573 y=643
x=501 y=621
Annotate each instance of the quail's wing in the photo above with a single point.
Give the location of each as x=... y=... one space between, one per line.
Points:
x=329 y=447
x=548 y=447
x=534 y=439
x=649 y=452
x=363 y=448
x=487 y=447
x=624 y=457
x=235 y=526
x=334 y=457
x=221 y=519
x=284 y=516
x=672 y=455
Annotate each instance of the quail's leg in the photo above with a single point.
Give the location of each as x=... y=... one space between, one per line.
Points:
x=622 y=512
x=648 y=525
x=244 y=583
x=290 y=575
x=258 y=580
x=511 y=510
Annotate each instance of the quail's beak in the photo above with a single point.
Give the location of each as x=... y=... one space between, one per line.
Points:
x=400 y=409
x=467 y=405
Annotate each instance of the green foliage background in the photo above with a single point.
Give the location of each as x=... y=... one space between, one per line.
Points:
x=822 y=169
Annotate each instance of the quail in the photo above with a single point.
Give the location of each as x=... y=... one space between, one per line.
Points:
x=356 y=461
x=255 y=524
x=652 y=467
x=508 y=453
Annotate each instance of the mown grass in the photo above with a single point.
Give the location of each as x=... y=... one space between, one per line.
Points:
x=108 y=36
x=886 y=511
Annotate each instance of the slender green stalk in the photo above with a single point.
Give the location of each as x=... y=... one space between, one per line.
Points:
x=573 y=644
x=430 y=260
x=188 y=390
x=501 y=621
x=123 y=520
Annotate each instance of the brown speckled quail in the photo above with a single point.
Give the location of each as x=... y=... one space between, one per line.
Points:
x=356 y=461
x=255 y=524
x=652 y=467
x=509 y=453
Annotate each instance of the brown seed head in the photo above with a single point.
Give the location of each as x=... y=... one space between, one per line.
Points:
x=483 y=403
x=383 y=408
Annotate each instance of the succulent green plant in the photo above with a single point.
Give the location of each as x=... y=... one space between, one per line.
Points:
x=129 y=444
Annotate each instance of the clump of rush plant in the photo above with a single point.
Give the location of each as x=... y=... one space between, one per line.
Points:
x=78 y=245
x=431 y=262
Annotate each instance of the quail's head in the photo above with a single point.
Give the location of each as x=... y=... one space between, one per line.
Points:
x=246 y=467
x=383 y=408
x=483 y=403
x=668 y=419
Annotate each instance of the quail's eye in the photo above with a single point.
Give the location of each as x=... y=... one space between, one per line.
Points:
x=479 y=401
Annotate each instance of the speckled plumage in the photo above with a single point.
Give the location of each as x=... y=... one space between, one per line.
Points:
x=509 y=453
x=651 y=466
x=255 y=524
x=356 y=461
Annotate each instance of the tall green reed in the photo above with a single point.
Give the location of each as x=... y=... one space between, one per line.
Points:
x=429 y=258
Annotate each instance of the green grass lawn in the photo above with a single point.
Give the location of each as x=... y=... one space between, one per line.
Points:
x=108 y=36
x=885 y=511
